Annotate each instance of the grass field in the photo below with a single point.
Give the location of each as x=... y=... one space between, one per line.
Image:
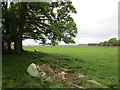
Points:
x=99 y=63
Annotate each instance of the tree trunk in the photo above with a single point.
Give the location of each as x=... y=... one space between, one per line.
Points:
x=18 y=42
x=9 y=47
x=3 y=47
x=21 y=47
x=17 y=46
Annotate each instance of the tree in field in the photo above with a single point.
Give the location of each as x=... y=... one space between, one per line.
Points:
x=104 y=43
x=38 y=21
x=100 y=44
x=118 y=43
x=9 y=25
x=110 y=42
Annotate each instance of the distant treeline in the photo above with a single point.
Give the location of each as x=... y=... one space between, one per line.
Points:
x=110 y=42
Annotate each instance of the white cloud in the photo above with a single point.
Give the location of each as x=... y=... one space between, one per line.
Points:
x=96 y=20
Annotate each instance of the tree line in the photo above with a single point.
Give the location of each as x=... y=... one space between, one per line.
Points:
x=110 y=42
x=38 y=21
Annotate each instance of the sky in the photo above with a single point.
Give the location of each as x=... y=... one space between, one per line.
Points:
x=97 y=21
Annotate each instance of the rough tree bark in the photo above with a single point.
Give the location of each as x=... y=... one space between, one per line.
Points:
x=18 y=42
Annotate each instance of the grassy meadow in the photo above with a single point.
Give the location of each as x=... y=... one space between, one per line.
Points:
x=99 y=63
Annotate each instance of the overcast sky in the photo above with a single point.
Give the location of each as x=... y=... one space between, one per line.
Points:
x=97 y=20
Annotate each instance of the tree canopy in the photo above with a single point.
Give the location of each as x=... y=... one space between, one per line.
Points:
x=38 y=21
x=110 y=42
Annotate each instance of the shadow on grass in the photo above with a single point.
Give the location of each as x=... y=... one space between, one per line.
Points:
x=14 y=68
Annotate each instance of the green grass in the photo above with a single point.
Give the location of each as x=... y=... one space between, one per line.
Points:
x=99 y=63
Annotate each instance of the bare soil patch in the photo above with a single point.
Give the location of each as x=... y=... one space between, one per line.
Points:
x=69 y=80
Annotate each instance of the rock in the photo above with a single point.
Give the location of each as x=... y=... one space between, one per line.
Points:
x=64 y=69
x=80 y=76
x=63 y=75
x=32 y=70
x=47 y=69
x=94 y=82
x=42 y=74
x=41 y=71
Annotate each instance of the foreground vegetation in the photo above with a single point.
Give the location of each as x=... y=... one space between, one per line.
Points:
x=99 y=63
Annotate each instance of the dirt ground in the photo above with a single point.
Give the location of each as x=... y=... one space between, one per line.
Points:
x=69 y=79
